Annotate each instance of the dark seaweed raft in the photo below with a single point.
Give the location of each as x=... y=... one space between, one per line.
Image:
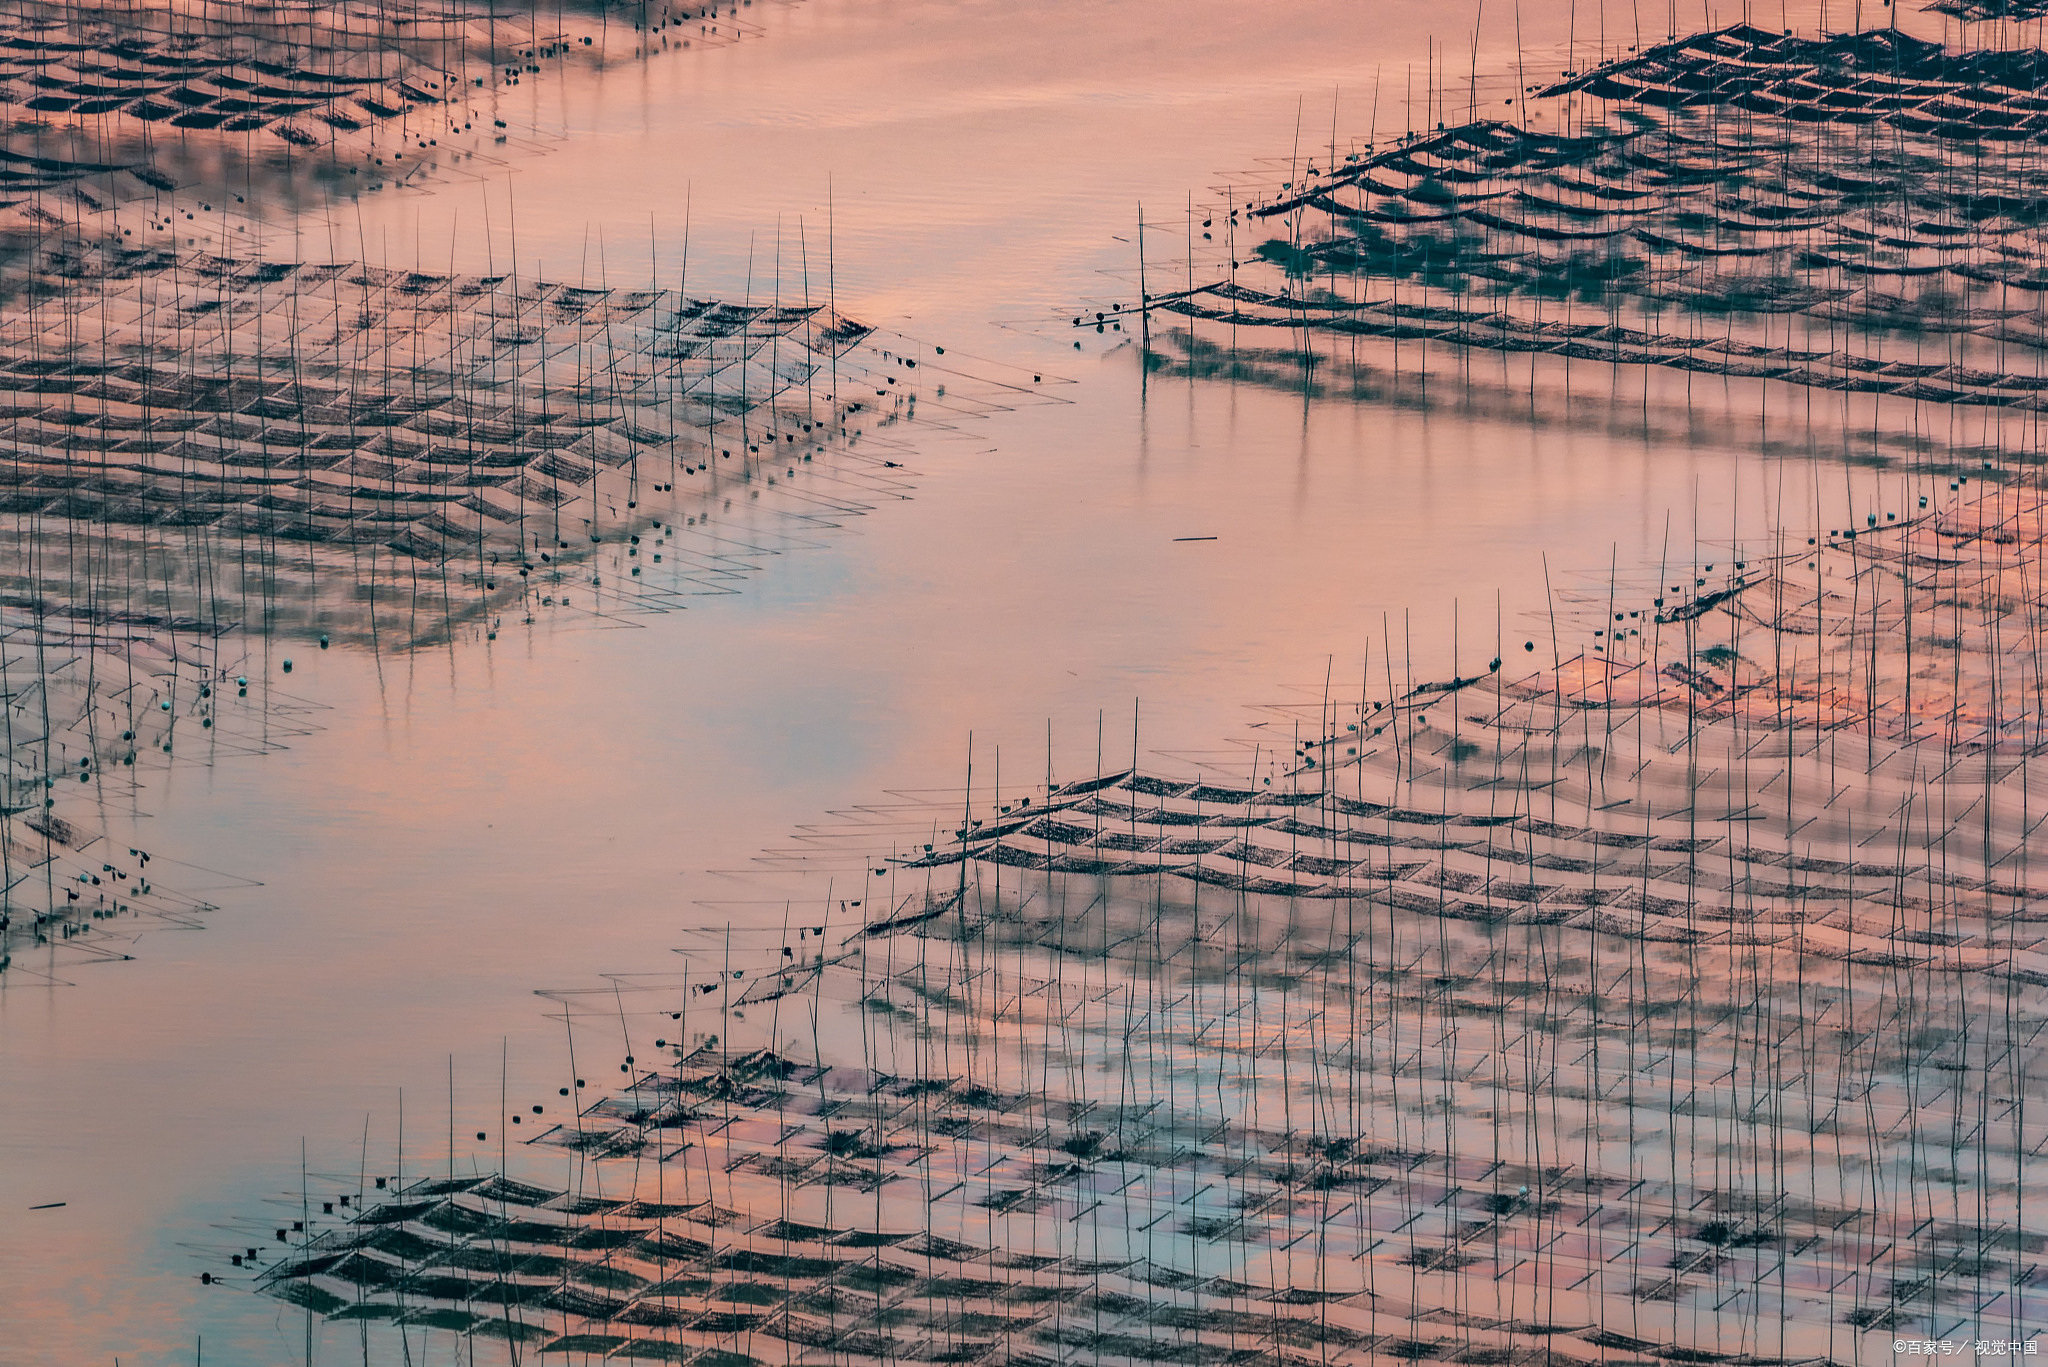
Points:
x=1860 y=214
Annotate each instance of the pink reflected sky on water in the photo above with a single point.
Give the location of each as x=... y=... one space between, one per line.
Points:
x=477 y=821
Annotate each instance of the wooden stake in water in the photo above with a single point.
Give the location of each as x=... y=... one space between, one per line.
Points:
x=1144 y=300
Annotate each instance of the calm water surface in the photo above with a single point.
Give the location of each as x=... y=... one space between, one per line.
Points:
x=474 y=822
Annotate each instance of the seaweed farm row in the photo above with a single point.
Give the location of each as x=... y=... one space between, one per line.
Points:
x=434 y=414
x=483 y=418
x=1856 y=214
x=307 y=75
x=1656 y=981
x=206 y=459
x=1664 y=992
x=491 y=430
x=114 y=108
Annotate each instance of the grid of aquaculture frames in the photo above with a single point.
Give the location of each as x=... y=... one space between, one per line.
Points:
x=396 y=457
x=101 y=79
x=1859 y=214
x=440 y=417
x=286 y=69
x=1677 y=999
x=194 y=445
